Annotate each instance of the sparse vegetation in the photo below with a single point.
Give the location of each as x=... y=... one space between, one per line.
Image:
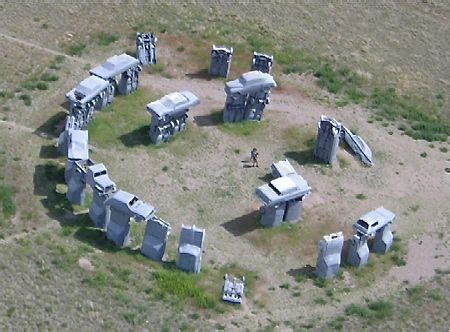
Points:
x=26 y=99
x=361 y=196
x=75 y=48
x=320 y=282
x=183 y=286
x=7 y=201
x=105 y=38
x=49 y=77
x=357 y=310
x=285 y=285
x=157 y=68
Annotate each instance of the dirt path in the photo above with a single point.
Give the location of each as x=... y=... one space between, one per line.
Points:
x=41 y=48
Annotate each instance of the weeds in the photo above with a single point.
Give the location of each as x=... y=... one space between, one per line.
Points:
x=48 y=77
x=320 y=282
x=157 y=68
x=285 y=285
x=26 y=99
x=361 y=197
x=75 y=48
x=356 y=310
x=7 y=202
x=183 y=286
x=381 y=309
x=105 y=38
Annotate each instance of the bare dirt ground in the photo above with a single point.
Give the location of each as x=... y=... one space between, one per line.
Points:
x=200 y=179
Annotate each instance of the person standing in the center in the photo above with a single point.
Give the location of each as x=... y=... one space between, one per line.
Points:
x=254 y=157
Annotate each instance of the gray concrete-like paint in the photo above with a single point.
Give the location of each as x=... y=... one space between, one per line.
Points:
x=121 y=207
x=124 y=65
x=63 y=139
x=169 y=115
x=358 y=251
x=190 y=248
x=247 y=96
x=155 y=238
x=146 y=47
x=76 y=180
x=330 y=132
x=233 y=289
x=327 y=142
x=220 y=61
x=374 y=221
x=383 y=240
x=102 y=187
x=262 y=62
x=329 y=258
x=282 y=168
x=282 y=198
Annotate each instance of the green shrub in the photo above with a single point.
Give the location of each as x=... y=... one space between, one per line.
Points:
x=361 y=196
x=320 y=282
x=74 y=48
x=180 y=48
x=381 y=309
x=183 y=286
x=285 y=285
x=6 y=94
x=320 y=301
x=157 y=68
x=26 y=99
x=443 y=149
x=105 y=38
x=7 y=203
x=42 y=86
x=356 y=310
x=423 y=154
x=48 y=77
x=398 y=259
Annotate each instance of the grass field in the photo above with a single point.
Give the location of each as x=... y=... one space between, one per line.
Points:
x=385 y=75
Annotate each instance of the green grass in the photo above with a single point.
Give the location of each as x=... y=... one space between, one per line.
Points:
x=381 y=309
x=75 y=48
x=356 y=310
x=243 y=128
x=105 y=38
x=343 y=162
x=49 y=77
x=285 y=285
x=7 y=201
x=156 y=68
x=361 y=196
x=6 y=94
x=184 y=287
x=320 y=282
x=421 y=115
x=124 y=122
x=26 y=99
x=35 y=85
